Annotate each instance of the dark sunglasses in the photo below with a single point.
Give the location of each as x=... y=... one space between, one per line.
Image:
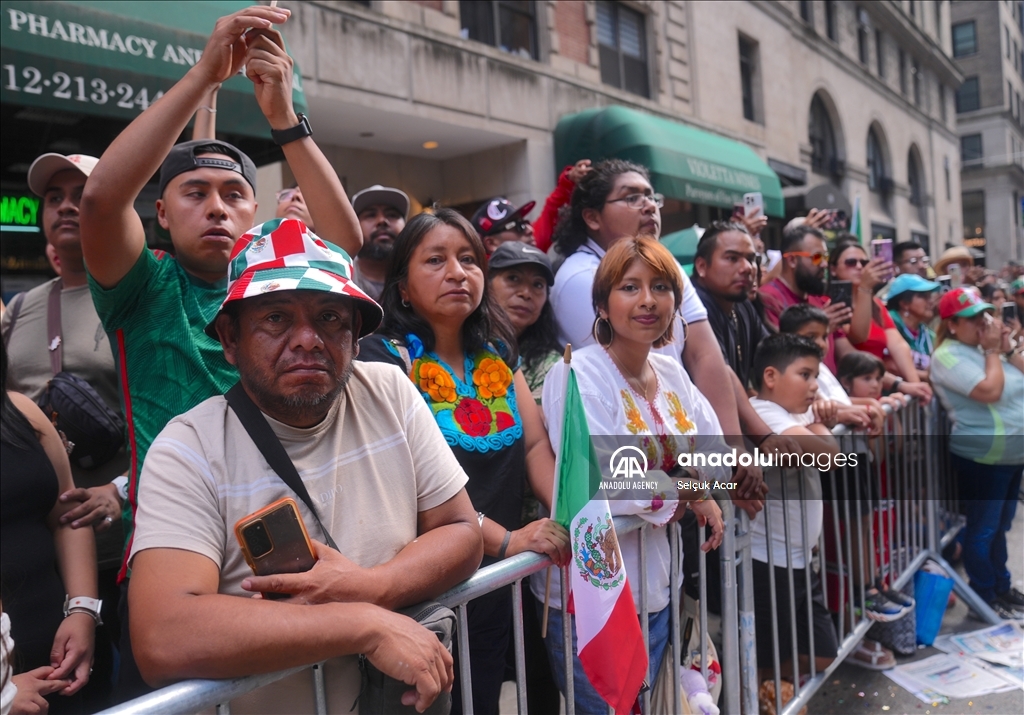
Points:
x=854 y=262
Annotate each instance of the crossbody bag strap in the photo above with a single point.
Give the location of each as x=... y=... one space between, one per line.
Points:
x=55 y=341
x=272 y=450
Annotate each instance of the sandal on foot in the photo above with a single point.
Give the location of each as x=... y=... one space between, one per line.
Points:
x=873 y=656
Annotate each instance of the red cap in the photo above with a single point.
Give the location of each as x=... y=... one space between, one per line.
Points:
x=962 y=303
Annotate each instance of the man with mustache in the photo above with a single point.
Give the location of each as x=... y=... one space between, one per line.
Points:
x=384 y=484
x=382 y=212
x=802 y=280
x=155 y=308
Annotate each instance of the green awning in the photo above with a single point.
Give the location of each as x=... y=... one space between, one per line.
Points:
x=686 y=163
x=682 y=244
x=115 y=58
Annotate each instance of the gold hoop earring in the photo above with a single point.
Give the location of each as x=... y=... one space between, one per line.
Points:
x=597 y=328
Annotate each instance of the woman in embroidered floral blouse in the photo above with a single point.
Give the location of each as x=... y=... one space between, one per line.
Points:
x=633 y=396
x=442 y=327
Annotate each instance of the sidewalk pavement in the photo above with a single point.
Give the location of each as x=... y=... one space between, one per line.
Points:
x=855 y=690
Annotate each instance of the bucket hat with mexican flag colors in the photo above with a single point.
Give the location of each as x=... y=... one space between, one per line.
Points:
x=283 y=254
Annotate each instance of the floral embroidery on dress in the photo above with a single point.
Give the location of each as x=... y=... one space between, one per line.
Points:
x=683 y=422
x=634 y=420
x=492 y=378
x=479 y=415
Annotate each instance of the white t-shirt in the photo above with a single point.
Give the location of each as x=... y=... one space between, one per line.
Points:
x=6 y=666
x=829 y=387
x=617 y=416
x=572 y=301
x=781 y=511
x=374 y=463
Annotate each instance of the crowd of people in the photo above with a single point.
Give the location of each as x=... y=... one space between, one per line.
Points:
x=121 y=570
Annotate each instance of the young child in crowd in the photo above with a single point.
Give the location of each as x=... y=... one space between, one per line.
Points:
x=859 y=411
x=861 y=374
x=785 y=376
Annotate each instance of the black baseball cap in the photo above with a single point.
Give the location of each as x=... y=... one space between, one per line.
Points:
x=189 y=156
x=498 y=215
x=517 y=253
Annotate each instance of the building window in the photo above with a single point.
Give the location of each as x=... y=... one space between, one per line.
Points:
x=877 y=179
x=880 y=54
x=968 y=97
x=914 y=180
x=971 y=151
x=830 y=21
x=748 y=77
x=913 y=8
x=822 y=139
x=915 y=78
x=1009 y=97
x=974 y=213
x=1007 y=33
x=509 y=25
x=949 y=190
x=806 y=13
x=862 y=40
x=623 y=48
x=903 y=73
x=943 y=112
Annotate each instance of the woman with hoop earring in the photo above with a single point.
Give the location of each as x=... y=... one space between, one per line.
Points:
x=634 y=396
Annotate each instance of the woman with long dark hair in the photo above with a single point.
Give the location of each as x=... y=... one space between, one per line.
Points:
x=443 y=328
x=42 y=561
x=871 y=328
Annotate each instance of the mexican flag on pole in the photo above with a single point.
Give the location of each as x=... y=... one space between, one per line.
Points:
x=610 y=643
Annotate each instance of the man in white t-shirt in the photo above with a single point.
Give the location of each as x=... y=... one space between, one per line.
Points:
x=784 y=374
x=385 y=484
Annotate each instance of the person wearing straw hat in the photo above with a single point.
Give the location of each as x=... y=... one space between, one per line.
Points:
x=980 y=380
x=386 y=486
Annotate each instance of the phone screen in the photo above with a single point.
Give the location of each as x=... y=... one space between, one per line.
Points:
x=1009 y=312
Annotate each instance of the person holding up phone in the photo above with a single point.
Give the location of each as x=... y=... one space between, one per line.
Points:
x=871 y=328
x=980 y=382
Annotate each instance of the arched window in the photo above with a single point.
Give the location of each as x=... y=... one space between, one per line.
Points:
x=822 y=138
x=914 y=179
x=876 y=162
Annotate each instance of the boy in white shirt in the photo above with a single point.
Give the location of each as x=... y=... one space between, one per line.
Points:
x=785 y=375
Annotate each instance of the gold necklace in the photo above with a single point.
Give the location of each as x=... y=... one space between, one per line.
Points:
x=622 y=369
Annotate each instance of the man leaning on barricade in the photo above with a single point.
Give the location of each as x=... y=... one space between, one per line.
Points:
x=388 y=490
x=155 y=308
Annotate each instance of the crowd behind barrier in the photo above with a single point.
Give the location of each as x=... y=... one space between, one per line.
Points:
x=920 y=509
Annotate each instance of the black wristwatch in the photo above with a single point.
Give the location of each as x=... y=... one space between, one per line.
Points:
x=299 y=131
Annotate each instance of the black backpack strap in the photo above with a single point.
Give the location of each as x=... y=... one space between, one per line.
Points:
x=272 y=450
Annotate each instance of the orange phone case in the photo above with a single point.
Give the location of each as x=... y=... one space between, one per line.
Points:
x=274 y=540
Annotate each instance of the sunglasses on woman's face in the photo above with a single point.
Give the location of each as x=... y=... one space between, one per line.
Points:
x=854 y=262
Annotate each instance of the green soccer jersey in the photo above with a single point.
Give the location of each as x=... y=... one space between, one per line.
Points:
x=155 y=318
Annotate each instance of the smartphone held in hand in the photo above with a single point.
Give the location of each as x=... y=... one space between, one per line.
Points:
x=274 y=540
x=753 y=203
x=841 y=292
x=1009 y=313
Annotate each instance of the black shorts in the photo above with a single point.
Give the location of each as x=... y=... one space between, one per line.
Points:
x=854 y=484
x=826 y=642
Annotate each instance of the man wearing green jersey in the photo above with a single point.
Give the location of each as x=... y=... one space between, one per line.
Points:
x=155 y=307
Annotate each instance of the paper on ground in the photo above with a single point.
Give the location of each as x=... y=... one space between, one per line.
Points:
x=947 y=675
x=1002 y=644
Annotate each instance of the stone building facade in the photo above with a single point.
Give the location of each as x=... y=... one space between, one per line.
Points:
x=988 y=46
x=455 y=102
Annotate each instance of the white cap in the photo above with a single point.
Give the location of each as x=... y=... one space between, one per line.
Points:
x=46 y=165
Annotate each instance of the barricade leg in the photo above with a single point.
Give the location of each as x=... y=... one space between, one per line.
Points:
x=520 y=650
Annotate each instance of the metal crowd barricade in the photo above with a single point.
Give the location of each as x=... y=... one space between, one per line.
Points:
x=913 y=515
